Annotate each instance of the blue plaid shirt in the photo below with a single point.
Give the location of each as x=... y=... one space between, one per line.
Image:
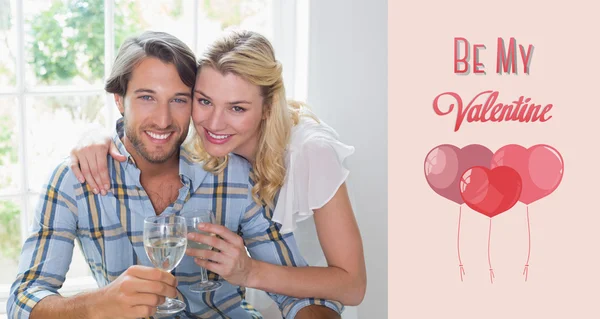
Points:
x=109 y=231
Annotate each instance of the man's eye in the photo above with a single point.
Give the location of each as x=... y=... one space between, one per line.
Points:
x=180 y=100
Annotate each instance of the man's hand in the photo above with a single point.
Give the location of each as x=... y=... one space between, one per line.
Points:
x=231 y=261
x=317 y=312
x=135 y=294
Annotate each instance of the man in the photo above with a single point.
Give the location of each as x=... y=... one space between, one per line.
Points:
x=152 y=81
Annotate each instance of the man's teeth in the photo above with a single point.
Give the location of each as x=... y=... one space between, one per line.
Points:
x=219 y=137
x=159 y=136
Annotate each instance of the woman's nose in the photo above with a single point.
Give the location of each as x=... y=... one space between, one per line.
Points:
x=216 y=121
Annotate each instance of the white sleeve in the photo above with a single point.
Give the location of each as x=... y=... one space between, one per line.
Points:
x=315 y=172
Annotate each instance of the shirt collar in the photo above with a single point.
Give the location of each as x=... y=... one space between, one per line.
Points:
x=189 y=168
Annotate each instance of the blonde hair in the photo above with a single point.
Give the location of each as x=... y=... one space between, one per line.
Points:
x=250 y=56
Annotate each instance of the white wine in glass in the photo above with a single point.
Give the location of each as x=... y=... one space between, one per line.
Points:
x=192 y=219
x=165 y=240
x=165 y=253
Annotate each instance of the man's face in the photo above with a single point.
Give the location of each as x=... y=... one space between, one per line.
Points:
x=157 y=108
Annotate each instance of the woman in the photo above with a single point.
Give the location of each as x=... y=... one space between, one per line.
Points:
x=297 y=165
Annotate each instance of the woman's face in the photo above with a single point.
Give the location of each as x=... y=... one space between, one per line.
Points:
x=227 y=113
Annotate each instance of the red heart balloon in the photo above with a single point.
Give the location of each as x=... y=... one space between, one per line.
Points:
x=490 y=192
x=541 y=168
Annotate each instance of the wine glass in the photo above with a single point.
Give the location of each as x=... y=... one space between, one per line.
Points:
x=165 y=239
x=192 y=219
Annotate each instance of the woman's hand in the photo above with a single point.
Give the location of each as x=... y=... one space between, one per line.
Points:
x=231 y=261
x=88 y=160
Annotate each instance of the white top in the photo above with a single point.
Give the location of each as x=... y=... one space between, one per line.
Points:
x=314 y=162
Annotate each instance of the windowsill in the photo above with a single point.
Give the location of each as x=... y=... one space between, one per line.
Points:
x=71 y=286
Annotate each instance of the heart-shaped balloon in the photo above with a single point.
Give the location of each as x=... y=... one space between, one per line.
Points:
x=445 y=164
x=541 y=168
x=490 y=192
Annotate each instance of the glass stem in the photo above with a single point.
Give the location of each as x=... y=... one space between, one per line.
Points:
x=203 y=275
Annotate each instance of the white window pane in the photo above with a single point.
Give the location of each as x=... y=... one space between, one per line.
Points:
x=10 y=239
x=177 y=18
x=8 y=45
x=257 y=15
x=32 y=202
x=54 y=126
x=64 y=43
x=216 y=15
x=10 y=175
x=174 y=17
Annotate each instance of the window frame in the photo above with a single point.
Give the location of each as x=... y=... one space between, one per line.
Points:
x=290 y=32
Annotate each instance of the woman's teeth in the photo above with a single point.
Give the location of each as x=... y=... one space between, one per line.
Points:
x=218 y=137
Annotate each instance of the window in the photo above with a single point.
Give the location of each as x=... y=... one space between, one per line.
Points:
x=55 y=56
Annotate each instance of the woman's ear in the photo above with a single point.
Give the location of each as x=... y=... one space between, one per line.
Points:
x=266 y=111
x=119 y=101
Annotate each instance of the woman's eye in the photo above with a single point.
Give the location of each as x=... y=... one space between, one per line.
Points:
x=204 y=101
x=238 y=109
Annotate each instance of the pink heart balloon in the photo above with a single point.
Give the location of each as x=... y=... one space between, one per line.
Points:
x=541 y=168
x=445 y=164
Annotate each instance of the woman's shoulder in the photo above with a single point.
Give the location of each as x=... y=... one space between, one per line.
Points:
x=313 y=136
x=311 y=130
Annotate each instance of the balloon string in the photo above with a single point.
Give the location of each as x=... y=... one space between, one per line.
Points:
x=526 y=270
x=489 y=259
x=460 y=264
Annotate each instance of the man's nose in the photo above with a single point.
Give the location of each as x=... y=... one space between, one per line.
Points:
x=163 y=117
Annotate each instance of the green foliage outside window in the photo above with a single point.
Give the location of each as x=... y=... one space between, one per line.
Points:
x=68 y=39
x=66 y=42
x=10 y=238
